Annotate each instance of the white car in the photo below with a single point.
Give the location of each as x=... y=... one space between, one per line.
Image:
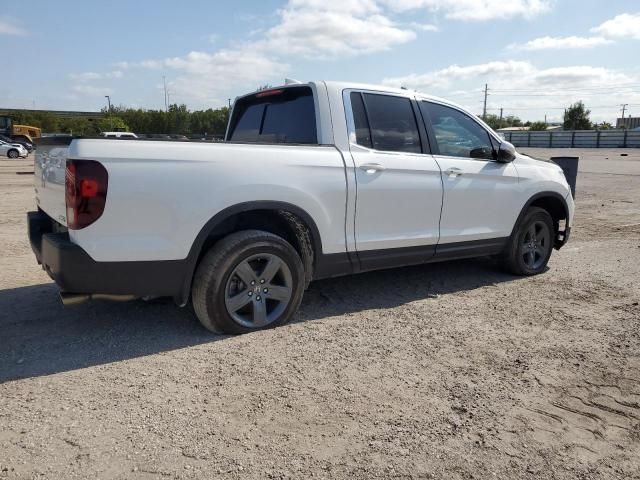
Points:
x=12 y=150
x=314 y=180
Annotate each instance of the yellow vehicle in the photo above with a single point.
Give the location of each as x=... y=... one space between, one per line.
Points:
x=19 y=133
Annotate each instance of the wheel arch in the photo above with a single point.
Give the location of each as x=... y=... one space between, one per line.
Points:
x=281 y=218
x=556 y=205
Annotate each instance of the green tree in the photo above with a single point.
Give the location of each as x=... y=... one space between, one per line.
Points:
x=538 y=126
x=76 y=126
x=495 y=122
x=110 y=124
x=178 y=119
x=576 y=117
x=604 y=126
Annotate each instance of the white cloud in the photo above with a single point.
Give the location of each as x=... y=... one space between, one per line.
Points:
x=91 y=91
x=322 y=29
x=90 y=76
x=206 y=78
x=309 y=32
x=85 y=76
x=443 y=78
x=555 y=43
x=476 y=10
x=626 y=25
x=526 y=90
x=10 y=26
x=425 y=27
x=622 y=26
x=307 y=28
x=513 y=75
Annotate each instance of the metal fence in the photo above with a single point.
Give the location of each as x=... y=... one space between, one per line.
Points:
x=575 y=139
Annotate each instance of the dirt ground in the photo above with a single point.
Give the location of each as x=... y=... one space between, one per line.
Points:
x=451 y=370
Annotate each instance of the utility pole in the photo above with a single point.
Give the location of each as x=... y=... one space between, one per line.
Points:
x=501 y=113
x=166 y=105
x=484 y=109
x=109 y=110
x=624 y=109
x=545 y=118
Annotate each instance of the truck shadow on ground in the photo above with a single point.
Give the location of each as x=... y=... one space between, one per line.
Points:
x=41 y=337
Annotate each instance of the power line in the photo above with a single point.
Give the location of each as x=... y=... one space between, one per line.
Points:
x=579 y=94
x=603 y=87
x=551 y=108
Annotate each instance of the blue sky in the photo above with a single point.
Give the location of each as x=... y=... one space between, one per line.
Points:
x=536 y=55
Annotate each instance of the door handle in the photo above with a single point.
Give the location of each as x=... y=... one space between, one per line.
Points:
x=372 y=168
x=453 y=172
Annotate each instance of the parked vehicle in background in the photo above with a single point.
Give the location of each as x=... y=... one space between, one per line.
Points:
x=123 y=135
x=19 y=133
x=314 y=180
x=12 y=150
x=25 y=144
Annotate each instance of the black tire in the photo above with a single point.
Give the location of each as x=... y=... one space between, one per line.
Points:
x=528 y=254
x=217 y=276
x=13 y=153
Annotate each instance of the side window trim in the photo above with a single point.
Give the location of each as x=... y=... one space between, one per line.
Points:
x=366 y=116
x=432 y=134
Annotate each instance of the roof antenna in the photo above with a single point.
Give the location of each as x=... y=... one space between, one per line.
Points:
x=291 y=81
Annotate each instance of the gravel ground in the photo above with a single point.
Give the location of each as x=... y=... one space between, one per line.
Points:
x=452 y=370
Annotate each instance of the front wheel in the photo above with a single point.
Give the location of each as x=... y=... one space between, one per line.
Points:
x=530 y=246
x=13 y=154
x=250 y=280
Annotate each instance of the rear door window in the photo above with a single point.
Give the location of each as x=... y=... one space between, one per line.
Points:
x=390 y=120
x=275 y=116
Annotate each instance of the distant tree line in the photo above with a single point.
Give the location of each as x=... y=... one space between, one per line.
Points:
x=576 y=117
x=176 y=120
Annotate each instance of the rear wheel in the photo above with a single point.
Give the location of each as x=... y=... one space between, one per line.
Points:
x=531 y=244
x=250 y=280
x=13 y=154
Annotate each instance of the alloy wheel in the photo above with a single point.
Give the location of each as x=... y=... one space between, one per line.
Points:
x=536 y=245
x=258 y=290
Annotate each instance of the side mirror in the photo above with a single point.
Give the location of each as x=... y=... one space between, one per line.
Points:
x=506 y=153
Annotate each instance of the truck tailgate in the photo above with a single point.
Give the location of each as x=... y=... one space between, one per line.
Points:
x=49 y=168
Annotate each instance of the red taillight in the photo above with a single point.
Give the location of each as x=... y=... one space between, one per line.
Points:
x=85 y=192
x=268 y=93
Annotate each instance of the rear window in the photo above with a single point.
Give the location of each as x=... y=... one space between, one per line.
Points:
x=392 y=123
x=275 y=116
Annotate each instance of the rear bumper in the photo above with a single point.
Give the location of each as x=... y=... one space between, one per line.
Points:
x=75 y=271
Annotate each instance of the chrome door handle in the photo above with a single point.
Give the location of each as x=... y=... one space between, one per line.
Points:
x=453 y=172
x=371 y=168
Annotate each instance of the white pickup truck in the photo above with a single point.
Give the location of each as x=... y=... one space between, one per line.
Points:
x=314 y=180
